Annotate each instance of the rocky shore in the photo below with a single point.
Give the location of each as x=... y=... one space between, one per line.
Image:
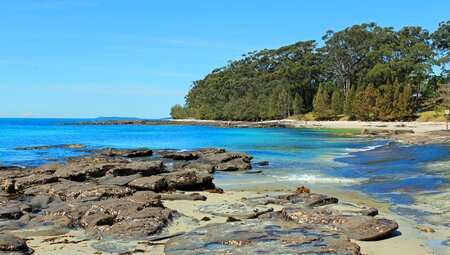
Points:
x=136 y=195
x=408 y=132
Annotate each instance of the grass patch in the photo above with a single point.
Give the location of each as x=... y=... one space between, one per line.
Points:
x=305 y=117
x=431 y=116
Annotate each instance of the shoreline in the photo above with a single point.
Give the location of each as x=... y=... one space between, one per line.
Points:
x=416 y=133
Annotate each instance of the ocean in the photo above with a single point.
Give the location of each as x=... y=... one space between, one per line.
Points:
x=398 y=174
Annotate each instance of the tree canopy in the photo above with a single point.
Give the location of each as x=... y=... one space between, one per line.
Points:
x=364 y=71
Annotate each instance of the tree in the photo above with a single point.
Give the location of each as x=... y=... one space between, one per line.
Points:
x=321 y=103
x=348 y=104
x=359 y=106
x=441 y=45
x=371 y=107
x=404 y=104
x=346 y=51
x=337 y=101
x=283 y=99
x=357 y=63
x=178 y=112
x=385 y=102
x=297 y=105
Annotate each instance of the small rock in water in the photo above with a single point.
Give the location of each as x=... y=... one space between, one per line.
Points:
x=262 y=163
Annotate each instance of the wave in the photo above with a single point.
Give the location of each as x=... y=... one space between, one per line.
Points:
x=320 y=179
x=367 y=148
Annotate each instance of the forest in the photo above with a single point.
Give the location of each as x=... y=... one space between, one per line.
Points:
x=363 y=72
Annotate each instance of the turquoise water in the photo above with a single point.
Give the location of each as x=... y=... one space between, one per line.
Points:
x=387 y=171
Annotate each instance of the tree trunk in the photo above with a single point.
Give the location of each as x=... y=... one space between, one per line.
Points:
x=347 y=85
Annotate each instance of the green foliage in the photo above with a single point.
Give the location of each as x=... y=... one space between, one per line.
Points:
x=298 y=106
x=348 y=103
x=179 y=112
x=404 y=105
x=385 y=101
x=337 y=101
x=322 y=105
x=371 y=73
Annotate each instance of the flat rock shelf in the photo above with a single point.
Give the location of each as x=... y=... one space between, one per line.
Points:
x=119 y=194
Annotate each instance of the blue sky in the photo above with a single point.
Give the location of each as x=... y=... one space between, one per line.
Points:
x=89 y=58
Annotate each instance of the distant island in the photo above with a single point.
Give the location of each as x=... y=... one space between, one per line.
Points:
x=364 y=72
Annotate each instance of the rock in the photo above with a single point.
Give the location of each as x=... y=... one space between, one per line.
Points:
x=149 y=198
x=129 y=153
x=40 y=202
x=7 y=179
x=68 y=190
x=370 y=212
x=241 y=211
x=232 y=219
x=13 y=210
x=13 y=245
x=302 y=189
x=309 y=199
x=138 y=228
x=428 y=230
x=215 y=190
x=252 y=172
x=199 y=167
x=48 y=168
x=96 y=159
x=224 y=157
x=118 y=180
x=81 y=172
x=261 y=237
x=35 y=179
x=145 y=168
x=10 y=168
x=123 y=218
x=46 y=147
x=180 y=155
x=210 y=151
x=193 y=197
x=364 y=228
x=56 y=222
x=234 y=165
x=188 y=180
x=205 y=219
x=97 y=219
x=262 y=163
x=154 y=183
